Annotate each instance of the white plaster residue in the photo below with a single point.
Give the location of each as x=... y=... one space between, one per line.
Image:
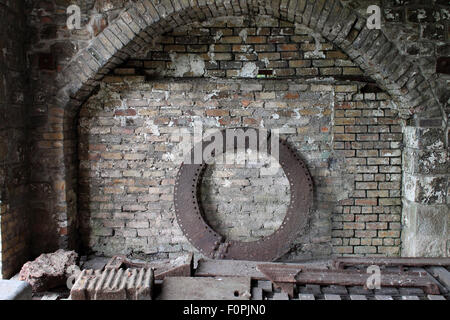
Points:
x=261 y=123
x=389 y=15
x=432 y=161
x=276 y=116
x=226 y=183
x=153 y=127
x=421 y=14
x=165 y=92
x=168 y=157
x=410 y=137
x=317 y=53
x=297 y=114
x=211 y=54
x=410 y=187
x=243 y=34
x=445 y=15
x=218 y=36
x=249 y=70
x=211 y=122
x=437 y=145
x=187 y=65
x=242 y=57
x=212 y=94
x=96 y=20
x=430 y=193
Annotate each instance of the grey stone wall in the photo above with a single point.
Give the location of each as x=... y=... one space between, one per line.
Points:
x=426 y=218
x=420 y=30
x=243 y=47
x=13 y=139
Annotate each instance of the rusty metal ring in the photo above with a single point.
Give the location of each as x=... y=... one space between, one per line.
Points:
x=213 y=245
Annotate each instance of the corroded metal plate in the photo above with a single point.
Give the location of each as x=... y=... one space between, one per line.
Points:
x=212 y=244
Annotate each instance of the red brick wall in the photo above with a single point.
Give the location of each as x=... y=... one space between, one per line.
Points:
x=14 y=171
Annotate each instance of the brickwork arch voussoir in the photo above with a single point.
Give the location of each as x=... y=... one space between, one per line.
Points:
x=370 y=49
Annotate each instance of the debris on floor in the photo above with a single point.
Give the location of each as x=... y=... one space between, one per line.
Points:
x=112 y=284
x=48 y=270
x=119 y=278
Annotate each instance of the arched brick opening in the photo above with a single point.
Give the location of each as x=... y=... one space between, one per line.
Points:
x=370 y=49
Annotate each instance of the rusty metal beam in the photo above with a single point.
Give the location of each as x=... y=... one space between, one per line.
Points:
x=237 y=268
x=342 y=262
x=298 y=275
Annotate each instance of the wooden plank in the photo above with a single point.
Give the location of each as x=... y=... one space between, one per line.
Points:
x=187 y=288
x=341 y=262
x=295 y=274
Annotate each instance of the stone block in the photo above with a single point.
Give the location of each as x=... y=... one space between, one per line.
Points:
x=424 y=138
x=48 y=270
x=426 y=161
x=425 y=230
x=15 y=290
x=425 y=189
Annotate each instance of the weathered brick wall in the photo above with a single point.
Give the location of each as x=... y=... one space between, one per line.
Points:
x=418 y=29
x=13 y=166
x=52 y=139
x=241 y=201
x=368 y=135
x=349 y=140
x=53 y=48
x=127 y=169
x=246 y=47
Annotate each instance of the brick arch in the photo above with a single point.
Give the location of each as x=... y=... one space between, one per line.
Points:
x=142 y=19
x=370 y=49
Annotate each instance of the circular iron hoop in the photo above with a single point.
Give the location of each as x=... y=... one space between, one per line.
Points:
x=213 y=245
